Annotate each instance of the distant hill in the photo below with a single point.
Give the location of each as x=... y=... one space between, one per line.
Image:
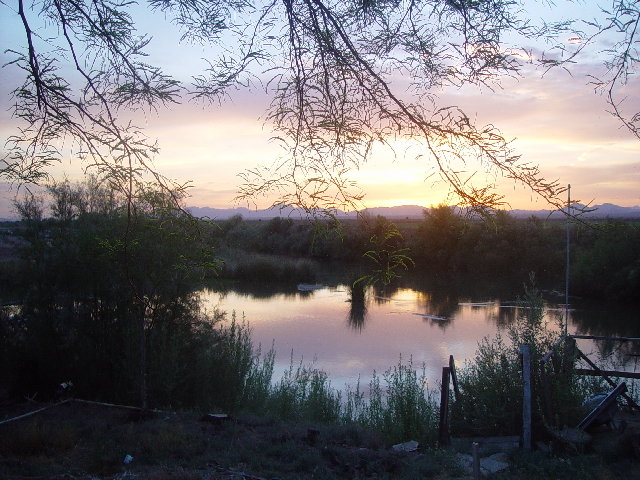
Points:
x=606 y=210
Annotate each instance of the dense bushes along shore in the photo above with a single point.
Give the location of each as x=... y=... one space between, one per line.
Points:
x=103 y=296
x=449 y=248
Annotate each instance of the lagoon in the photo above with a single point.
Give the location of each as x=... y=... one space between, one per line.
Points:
x=320 y=327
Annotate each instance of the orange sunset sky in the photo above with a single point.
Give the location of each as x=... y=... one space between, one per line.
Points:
x=557 y=122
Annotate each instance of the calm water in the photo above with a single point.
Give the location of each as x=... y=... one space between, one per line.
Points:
x=324 y=328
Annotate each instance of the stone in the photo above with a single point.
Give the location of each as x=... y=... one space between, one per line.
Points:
x=499 y=457
x=215 y=418
x=573 y=436
x=410 y=446
x=488 y=465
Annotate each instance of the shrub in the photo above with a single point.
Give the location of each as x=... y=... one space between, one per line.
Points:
x=490 y=402
x=404 y=410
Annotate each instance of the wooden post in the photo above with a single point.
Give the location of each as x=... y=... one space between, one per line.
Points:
x=476 y=460
x=569 y=355
x=454 y=377
x=443 y=436
x=629 y=400
x=525 y=351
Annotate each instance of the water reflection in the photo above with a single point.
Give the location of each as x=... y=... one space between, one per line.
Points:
x=358 y=309
x=351 y=332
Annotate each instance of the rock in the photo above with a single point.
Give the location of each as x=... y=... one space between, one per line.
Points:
x=410 y=446
x=215 y=418
x=488 y=465
x=499 y=457
x=573 y=436
x=465 y=461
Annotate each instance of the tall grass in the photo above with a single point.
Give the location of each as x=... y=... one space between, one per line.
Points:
x=491 y=384
x=304 y=392
x=256 y=267
x=403 y=409
x=398 y=404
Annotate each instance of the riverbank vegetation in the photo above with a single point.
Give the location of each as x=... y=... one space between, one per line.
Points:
x=102 y=295
x=298 y=426
x=447 y=248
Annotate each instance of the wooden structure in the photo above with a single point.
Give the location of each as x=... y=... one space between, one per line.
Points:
x=564 y=364
x=527 y=397
x=448 y=376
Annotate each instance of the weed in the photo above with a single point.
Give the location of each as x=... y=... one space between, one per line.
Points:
x=35 y=438
x=404 y=410
x=491 y=384
x=305 y=392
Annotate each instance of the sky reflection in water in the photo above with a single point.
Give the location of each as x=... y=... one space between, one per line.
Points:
x=316 y=327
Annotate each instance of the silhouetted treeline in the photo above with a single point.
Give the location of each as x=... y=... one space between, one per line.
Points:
x=103 y=295
x=447 y=247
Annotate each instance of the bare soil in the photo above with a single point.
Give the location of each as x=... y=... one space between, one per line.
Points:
x=82 y=441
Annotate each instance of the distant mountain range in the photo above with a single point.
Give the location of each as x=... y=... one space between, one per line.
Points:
x=411 y=212
x=606 y=210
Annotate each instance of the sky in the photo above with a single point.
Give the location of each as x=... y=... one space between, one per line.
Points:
x=556 y=121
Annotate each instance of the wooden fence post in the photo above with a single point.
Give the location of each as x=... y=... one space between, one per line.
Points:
x=443 y=436
x=454 y=377
x=525 y=351
x=476 y=461
x=569 y=355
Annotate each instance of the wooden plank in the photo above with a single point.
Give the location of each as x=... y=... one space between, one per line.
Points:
x=475 y=447
x=527 y=395
x=549 y=354
x=606 y=403
x=612 y=373
x=629 y=400
x=454 y=377
x=598 y=337
x=24 y=415
x=443 y=430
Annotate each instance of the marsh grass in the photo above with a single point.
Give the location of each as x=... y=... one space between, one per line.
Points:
x=399 y=405
x=257 y=267
x=35 y=438
x=491 y=383
x=304 y=392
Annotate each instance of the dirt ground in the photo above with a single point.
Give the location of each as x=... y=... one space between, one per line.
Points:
x=76 y=440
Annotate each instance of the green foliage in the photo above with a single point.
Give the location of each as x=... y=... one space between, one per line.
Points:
x=93 y=279
x=404 y=409
x=262 y=268
x=304 y=392
x=490 y=400
x=386 y=253
x=607 y=262
x=449 y=246
x=446 y=247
